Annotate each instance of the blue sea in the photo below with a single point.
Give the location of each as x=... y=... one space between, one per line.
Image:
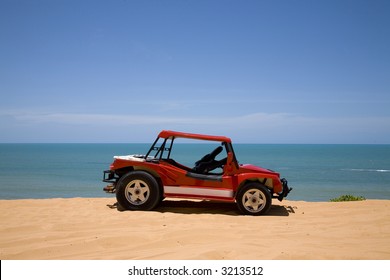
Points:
x=315 y=172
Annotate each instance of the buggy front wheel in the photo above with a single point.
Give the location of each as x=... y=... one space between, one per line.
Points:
x=254 y=199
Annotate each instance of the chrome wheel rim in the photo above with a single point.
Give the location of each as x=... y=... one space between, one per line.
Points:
x=254 y=200
x=137 y=192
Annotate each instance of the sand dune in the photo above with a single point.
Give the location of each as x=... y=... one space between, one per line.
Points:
x=93 y=228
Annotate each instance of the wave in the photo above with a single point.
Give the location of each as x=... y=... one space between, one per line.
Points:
x=366 y=170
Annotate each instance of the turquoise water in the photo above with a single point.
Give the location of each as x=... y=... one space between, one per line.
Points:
x=316 y=172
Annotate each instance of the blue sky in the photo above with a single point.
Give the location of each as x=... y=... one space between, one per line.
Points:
x=256 y=71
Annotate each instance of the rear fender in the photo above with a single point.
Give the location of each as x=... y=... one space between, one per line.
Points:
x=122 y=171
x=123 y=166
x=152 y=172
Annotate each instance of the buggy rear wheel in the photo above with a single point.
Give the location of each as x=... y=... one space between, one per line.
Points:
x=138 y=190
x=254 y=199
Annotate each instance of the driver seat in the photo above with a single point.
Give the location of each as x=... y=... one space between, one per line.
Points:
x=208 y=162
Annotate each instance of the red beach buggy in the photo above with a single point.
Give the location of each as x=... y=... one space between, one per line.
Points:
x=141 y=182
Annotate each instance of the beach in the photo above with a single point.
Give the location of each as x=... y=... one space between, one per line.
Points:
x=95 y=229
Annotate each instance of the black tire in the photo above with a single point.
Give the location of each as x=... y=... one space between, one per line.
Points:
x=254 y=199
x=138 y=190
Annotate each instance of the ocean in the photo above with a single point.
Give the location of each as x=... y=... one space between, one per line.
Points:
x=315 y=172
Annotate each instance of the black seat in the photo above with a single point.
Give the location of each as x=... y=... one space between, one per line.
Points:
x=210 y=156
x=208 y=162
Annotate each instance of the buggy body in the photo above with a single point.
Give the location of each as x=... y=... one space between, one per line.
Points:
x=141 y=182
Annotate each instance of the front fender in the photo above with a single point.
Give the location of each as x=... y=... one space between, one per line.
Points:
x=269 y=180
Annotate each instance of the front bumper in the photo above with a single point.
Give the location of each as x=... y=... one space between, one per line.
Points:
x=286 y=190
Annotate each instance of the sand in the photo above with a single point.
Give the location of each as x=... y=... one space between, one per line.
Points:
x=93 y=229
